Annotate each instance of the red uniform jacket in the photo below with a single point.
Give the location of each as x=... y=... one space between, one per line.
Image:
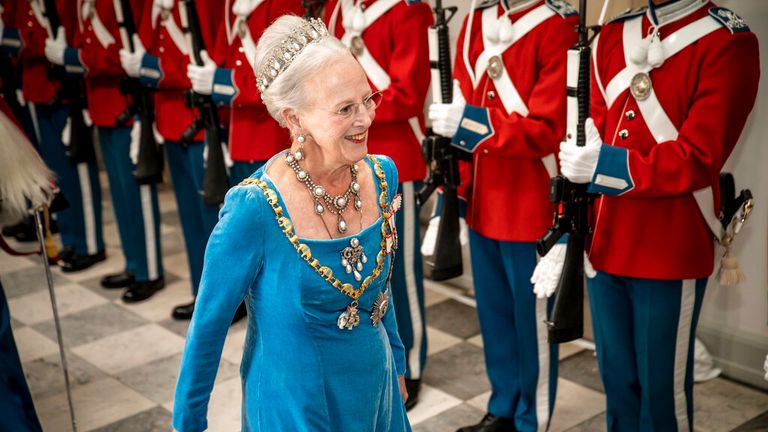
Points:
x=36 y=85
x=253 y=134
x=507 y=183
x=165 y=68
x=97 y=42
x=399 y=44
x=647 y=223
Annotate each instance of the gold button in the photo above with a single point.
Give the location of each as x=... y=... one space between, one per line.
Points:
x=623 y=134
x=491 y=95
x=239 y=105
x=31 y=13
x=90 y=28
x=161 y=36
x=241 y=49
x=630 y=115
x=87 y=40
x=29 y=24
x=238 y=63
x=161 y=49
x=485 y=151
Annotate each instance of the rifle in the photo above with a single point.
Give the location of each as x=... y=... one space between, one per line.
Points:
x=441 y=157
x=149 y=166
x=572 y=201
x=72 y=90
x=215 y=181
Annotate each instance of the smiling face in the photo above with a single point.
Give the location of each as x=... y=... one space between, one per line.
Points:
x=335 y=119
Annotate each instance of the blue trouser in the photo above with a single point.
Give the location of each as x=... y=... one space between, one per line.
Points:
x=521 y=365
x=80 y=224
x=408 y=283
x=240 y=171
x=185 y=161
x=17 y=412
x=644 y=337
x=136 y=208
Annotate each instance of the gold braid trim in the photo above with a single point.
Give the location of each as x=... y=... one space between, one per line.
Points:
x=306 y=254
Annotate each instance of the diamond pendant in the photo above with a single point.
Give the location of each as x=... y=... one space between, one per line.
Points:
x=350 y=318
x=342 y=224
x=353 y=257
x=380 y=308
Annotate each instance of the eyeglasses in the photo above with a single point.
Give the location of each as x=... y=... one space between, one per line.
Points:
x=369 y=103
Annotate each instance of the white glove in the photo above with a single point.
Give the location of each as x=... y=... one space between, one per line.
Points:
x=446 y=117
x=131 y=61
x=202 y=76
x=578 y=164
x=54 y=48
x=547 y=273
x=430 y=236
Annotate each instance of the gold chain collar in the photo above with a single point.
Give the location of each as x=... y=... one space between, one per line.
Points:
x=306 y=254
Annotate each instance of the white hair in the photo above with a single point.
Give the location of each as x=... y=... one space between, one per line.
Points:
x=288 y=89
x=25 y=181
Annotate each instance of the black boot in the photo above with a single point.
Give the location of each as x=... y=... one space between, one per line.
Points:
x=75 y=263
x=491 y=423
x=139 y=291
x=412 y=386
x=118 y=280
x=183 y=312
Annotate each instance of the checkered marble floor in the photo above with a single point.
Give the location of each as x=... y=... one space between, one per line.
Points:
x=123 y=359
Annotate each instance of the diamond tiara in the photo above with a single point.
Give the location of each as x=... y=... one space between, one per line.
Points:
x=309 y=31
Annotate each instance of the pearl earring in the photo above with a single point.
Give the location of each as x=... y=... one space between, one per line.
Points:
x=301 y=138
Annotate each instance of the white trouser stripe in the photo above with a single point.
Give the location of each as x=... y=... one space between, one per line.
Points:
x=414 y=357
x=149 y=231
x=687 y=300
x=542 y=385
x=35 y=124
x=89 y=218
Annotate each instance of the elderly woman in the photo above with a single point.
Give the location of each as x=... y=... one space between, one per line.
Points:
x=307 y=241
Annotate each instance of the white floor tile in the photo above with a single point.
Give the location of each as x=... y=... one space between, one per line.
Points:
x=11 y=263
x=36 y=307
x=177 y=264
x=476 y=340
x=33 y=345
x=225 y=406
x=233 y=346
x=438 y=340
x=431 y=403
x=575 y=404
x=97 y=404
x=131 y=348
x=433 y=297
x=480 y=401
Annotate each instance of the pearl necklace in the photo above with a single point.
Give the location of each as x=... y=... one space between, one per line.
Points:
x=336 y=205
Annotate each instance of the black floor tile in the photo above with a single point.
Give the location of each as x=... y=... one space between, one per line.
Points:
x=582 y=368
x=454 y=318
x=459 y=371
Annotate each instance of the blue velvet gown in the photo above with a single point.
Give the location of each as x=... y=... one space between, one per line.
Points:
x=300 y=371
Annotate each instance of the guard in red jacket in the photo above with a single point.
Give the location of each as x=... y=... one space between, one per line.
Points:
x=389 y=39
x=673 y=85
x=164 y=67
x=94 y=53
x=81 y=223
x=253 y=135
x=510 y=67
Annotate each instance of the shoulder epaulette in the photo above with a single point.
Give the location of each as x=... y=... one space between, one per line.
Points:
x=627 y=14
x=562 y=8
x=485 y=4
x=729 y=19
